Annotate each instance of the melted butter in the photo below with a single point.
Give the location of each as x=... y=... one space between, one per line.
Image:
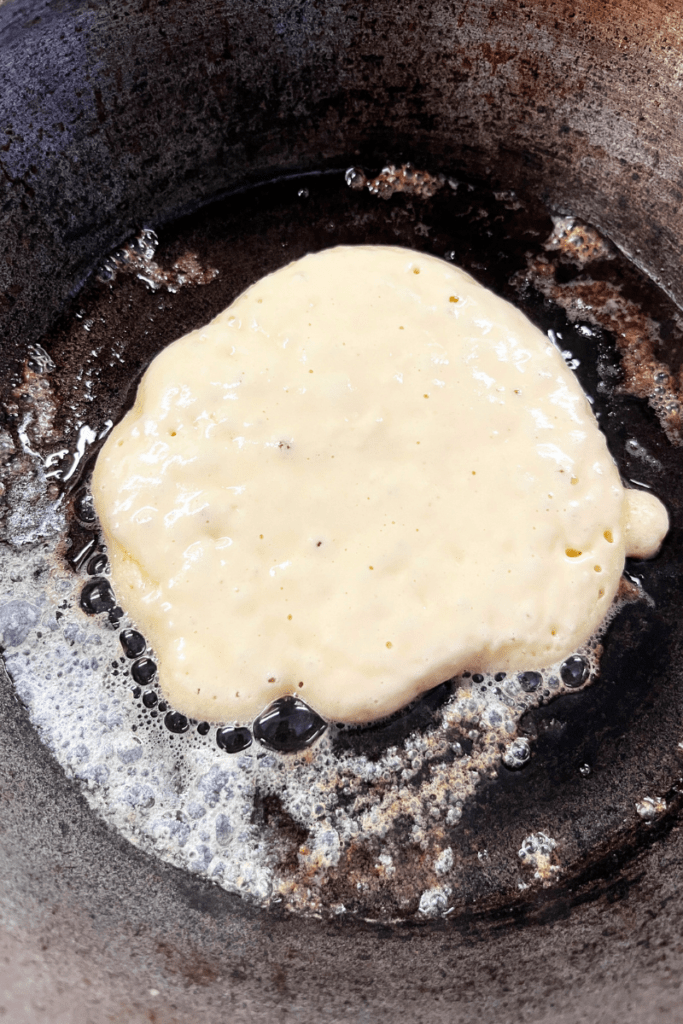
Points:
x=364 y=477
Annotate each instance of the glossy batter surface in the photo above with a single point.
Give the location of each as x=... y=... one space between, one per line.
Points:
x=365 y=476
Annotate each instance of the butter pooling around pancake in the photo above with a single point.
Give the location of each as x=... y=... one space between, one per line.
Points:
x=365 y=476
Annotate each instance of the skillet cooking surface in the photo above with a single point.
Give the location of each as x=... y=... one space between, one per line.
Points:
x=118 y=112
x=605 y=761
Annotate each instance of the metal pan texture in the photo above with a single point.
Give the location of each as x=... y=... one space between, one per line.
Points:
x=226 y=131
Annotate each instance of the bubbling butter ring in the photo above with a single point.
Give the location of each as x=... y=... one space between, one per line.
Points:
x=364 y=477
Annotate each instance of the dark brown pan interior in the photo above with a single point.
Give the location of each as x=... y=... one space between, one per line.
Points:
x=129 y=115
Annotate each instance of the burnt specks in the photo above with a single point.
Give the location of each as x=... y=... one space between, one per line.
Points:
x=286 y=833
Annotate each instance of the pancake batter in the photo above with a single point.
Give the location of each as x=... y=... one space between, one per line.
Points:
x=364 y=477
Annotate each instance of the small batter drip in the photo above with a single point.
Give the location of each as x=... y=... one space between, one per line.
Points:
x=646 y=524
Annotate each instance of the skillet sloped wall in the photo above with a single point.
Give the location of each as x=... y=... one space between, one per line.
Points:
x=116 y=114
x=119 y=114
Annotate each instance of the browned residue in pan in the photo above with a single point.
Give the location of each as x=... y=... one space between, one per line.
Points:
x=602 y=302
x=579 y=242
x=393 y=179
x=136 y=257
x=33 y=405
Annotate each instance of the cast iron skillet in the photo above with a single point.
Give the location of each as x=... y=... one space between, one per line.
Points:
x=118 y=115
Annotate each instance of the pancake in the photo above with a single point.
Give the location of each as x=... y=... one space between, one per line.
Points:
x=365 y=476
